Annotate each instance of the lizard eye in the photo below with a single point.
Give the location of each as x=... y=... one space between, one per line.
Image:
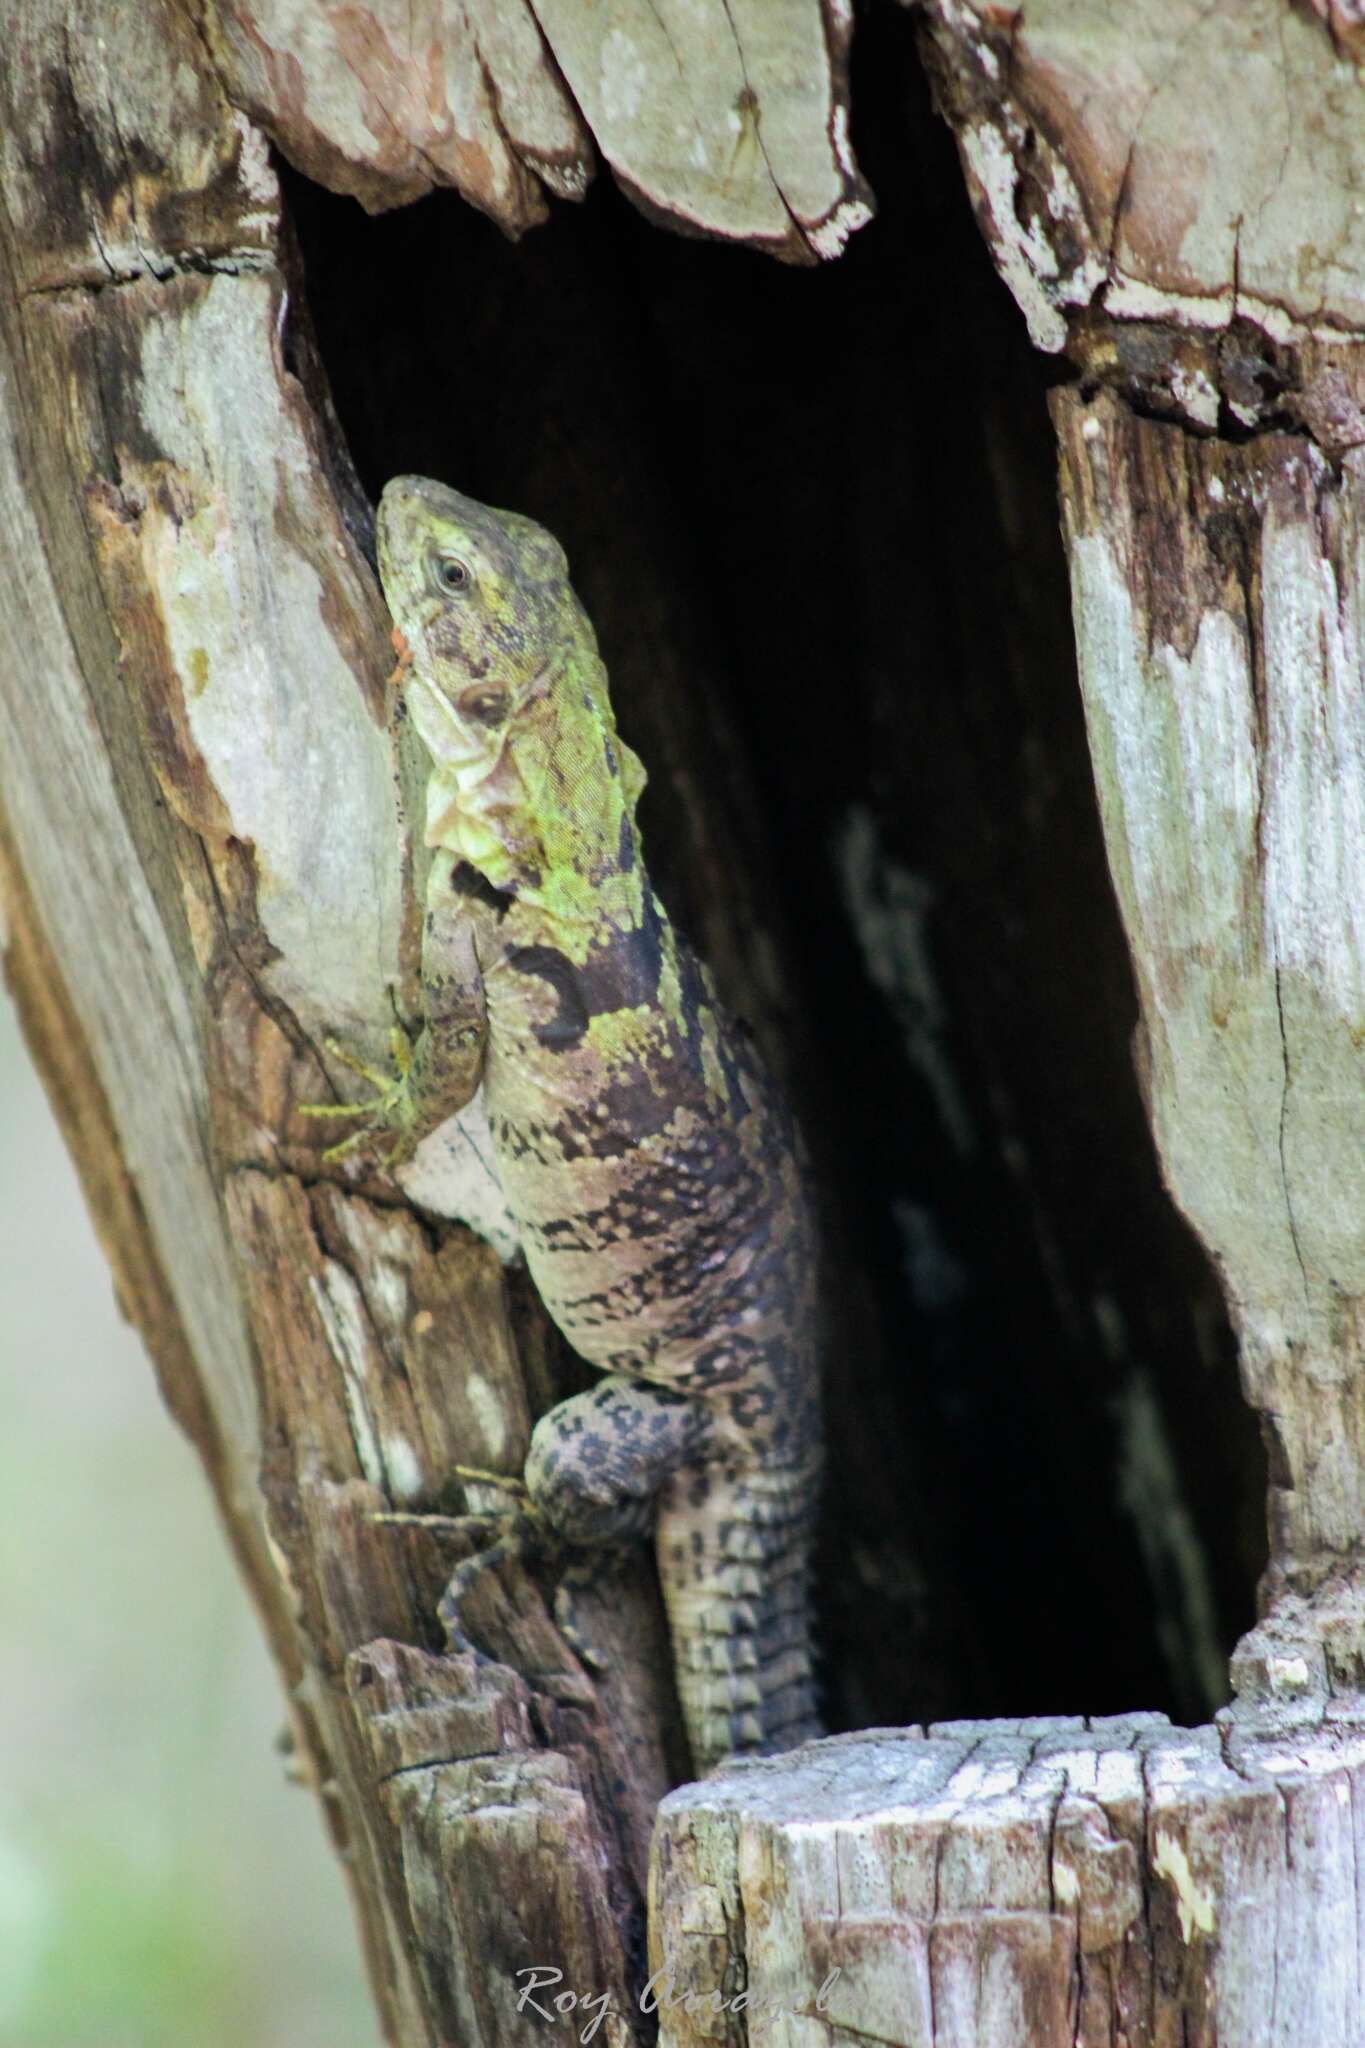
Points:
x=452 y=575
x=485 y=706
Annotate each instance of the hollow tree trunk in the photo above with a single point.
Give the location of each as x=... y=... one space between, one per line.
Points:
x=202 y=875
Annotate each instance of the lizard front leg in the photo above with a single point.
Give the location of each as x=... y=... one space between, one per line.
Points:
x=435 y=1071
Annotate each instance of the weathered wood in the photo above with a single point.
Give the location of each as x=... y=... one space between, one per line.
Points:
x=1218 y=593
x=1060 y=1883
x=728 y=119
x=386 y=101
x=1177 y=208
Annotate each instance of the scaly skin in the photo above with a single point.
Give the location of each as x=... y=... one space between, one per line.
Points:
x=647 y=1156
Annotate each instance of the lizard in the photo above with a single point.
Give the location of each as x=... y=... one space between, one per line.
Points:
x=650 y=1161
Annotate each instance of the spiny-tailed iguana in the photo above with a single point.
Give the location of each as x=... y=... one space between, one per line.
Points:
x=644 y=1151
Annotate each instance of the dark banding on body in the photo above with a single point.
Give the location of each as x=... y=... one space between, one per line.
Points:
x=570 y=1021
x=623 y=974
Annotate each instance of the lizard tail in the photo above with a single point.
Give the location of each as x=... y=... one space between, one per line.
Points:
x=734 y=1558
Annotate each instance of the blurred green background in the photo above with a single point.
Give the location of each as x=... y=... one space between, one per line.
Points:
x=160 y=1881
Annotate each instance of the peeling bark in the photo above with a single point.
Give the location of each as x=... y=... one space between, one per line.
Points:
x=386 y=101
x=1209 y=267
x=1217 y=594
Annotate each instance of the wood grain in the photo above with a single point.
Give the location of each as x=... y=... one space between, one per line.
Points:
x=1065 y=1883
x=1217 y=592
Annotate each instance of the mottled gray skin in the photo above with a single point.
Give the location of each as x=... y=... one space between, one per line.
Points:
x=648 y=1158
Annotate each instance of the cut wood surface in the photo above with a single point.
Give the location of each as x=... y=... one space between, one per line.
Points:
x=1047 y=1883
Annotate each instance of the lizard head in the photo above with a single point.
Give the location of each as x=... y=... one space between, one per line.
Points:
x=530 y=782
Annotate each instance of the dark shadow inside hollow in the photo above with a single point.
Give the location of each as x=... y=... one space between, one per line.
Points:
x=812 y=514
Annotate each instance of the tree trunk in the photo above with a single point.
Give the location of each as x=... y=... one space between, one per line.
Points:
x=810 y=515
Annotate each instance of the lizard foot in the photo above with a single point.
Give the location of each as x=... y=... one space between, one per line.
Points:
x=389 y=1108
x=518 y=1531
x=521 y=1535
x=529 y=1532
x=487 y=1530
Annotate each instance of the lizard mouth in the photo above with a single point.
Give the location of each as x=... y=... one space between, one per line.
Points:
x=467 y=750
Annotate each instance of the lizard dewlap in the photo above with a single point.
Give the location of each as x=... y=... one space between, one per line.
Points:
x=649 y=1159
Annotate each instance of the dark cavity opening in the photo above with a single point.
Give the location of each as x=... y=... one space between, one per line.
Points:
x=812 y=514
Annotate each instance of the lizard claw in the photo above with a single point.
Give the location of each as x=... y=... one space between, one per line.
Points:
x=572 y=1582
x=573 y=1579
x=389 y=1107
x=508 y=1482
x=520 y=1534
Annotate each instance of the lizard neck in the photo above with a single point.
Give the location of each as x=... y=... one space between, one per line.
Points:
x=547 y=816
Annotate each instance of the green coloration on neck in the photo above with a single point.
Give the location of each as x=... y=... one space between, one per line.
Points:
x=530 y=782
x=552 y=820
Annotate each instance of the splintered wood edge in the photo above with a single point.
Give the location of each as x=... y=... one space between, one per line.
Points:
x=1064 y=1882
x=1210 y=268
x=729 y=119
